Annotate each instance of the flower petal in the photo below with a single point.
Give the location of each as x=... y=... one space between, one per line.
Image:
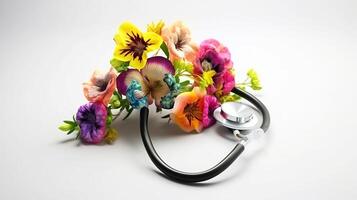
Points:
x=210 y=103
x=153 y=39
x=100 y=87
x=91 y=119
x=156 y=68
x=139 y=63
x=125 y=31
x=154 y=73
x=124 y=79
x=120 y=55
x=182 y=122
x=178 y=115
x=182 y=100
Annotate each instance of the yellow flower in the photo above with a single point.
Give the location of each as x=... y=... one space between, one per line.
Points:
x=111 y=136
x=132 y=45
x=207 y=77
x=155 y=27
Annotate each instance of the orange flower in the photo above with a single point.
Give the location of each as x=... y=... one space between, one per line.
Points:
x=100 y=87
x=178 y=40
x=188 y=109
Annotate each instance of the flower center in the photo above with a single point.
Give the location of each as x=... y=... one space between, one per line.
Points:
x=192 y=112
x=91 y=118
x=136 y=46
x=179 y=44
x=102 y=84
x=206 y=65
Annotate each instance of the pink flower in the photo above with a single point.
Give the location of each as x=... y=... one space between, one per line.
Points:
x=223 y=84
x=210 y=103
x=213 y=56
x=100 y=87
x=178 y=40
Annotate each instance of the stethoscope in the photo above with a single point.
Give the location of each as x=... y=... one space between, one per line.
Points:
x=239 y=117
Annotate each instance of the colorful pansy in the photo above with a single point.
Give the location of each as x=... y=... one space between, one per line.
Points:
x=162 y=66
x=132 y=45
x=151 y=79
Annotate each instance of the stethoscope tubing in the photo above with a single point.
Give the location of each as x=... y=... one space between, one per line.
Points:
x=192 y=177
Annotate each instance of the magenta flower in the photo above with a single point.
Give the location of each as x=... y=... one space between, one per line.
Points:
x=210 y=103
x=91 y=119
x=213 y=56
x=223 y=84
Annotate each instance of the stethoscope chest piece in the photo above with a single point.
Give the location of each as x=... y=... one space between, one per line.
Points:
x=238 y=116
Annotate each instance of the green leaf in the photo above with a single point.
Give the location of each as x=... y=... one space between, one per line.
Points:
x=71 y=131
x=182 y=66
x=119 y=65
x=109 y=117
x=184 y=83
x=185 y=89
x=165 y=50
x=70 y=123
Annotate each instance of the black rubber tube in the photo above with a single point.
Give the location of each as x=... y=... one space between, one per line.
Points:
x=257 y=103
x=189 y=177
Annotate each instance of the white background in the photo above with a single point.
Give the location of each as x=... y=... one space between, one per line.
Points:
x=305 y=52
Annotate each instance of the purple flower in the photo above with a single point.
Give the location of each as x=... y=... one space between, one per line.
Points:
x=92 y=118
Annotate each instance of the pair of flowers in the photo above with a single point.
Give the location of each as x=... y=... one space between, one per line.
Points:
x=133 y=46
x=92 y=120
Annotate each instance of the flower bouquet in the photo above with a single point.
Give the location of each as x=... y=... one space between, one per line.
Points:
x=162 y=66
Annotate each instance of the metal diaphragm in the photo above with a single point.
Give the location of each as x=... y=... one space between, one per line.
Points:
x=238 y=115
